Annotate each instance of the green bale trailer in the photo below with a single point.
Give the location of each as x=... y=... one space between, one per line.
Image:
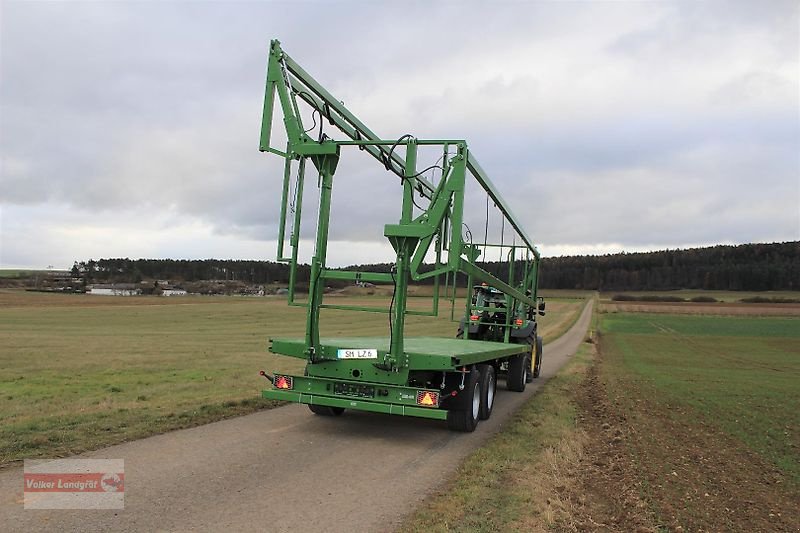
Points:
x=452 y=379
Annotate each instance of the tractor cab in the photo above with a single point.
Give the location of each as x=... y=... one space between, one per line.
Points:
x=485 y=296
x=489 y=308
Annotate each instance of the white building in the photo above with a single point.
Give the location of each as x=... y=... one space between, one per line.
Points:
x=173 y=292
x=115 y=289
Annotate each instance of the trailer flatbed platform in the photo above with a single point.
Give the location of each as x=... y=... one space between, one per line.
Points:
x=424 y=353
x=347 y=373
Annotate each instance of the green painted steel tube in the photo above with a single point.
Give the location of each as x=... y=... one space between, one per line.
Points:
x=315 y=289
x=342 y=117
x=481 y=275
x=269 y=101
x=344 y=307
x=379 y=277
x=294 y=238
x=287 y=179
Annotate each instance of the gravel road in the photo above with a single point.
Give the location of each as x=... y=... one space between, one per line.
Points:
x=283 y=469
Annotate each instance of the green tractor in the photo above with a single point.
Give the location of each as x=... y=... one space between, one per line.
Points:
x=489 y=319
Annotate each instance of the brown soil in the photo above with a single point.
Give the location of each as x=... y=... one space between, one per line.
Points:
x=608 y=491
x=649 y=465
x=721 y=308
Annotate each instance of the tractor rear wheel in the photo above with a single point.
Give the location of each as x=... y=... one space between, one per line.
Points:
x=518 y=369
x=537 y=367
x=534 y=343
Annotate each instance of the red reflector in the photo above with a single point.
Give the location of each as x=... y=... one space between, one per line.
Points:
x=284 y=382
x=474 y=318
x=427 y=398
x=518 y=322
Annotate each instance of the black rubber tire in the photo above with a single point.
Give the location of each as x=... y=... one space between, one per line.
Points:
x=488 y=390
x=532 y=357
x=460 y=335
x=324 y=410
x=465 y=412
x=518 y=370
x=537 y=368
x=531 y=361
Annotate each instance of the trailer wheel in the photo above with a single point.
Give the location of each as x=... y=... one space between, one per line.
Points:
x=464 y=415
x=518 y=369
x=537 y=368
x=488 y=390
x=324 y=410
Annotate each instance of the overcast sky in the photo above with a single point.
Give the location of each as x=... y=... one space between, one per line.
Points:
x=130 y=129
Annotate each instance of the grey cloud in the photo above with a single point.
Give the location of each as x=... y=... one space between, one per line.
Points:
x=156 y=107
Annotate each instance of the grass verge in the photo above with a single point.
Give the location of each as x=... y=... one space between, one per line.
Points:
x=516 y=481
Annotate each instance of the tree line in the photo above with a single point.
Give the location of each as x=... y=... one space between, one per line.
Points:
x=126 y=270
x=752 y=267
x=746 y=267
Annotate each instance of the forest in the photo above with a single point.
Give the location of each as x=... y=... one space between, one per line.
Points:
x=746 y=267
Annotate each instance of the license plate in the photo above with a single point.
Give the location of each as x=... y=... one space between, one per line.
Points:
x=355 y=390
x=357 y=353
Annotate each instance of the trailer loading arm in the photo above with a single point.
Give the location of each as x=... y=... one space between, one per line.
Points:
x=433 y=377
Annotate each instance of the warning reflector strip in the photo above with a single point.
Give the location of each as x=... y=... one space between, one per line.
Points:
x=284 y=382
x=428 y=398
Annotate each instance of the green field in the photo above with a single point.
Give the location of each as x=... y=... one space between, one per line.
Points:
x=78 y=372
x=741 y=374
x=677 y=423
x=16 y=273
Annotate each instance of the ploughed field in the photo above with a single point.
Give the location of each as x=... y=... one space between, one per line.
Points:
x=695 y=421
x=79 y=372
x=698 y=302
x=662 y=422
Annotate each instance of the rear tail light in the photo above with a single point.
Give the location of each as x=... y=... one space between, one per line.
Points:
x=428 y=398
x=284 y=382
x=474 y=318
x=518 y=322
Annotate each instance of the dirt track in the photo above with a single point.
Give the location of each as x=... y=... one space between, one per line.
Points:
x=283 y=469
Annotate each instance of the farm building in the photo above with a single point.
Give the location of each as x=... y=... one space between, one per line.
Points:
x=115 y=289
x=173 y=292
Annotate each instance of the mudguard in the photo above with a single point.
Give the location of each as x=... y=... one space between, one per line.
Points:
x=524 y=333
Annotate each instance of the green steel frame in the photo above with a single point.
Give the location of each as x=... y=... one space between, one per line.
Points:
x=439 y=224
